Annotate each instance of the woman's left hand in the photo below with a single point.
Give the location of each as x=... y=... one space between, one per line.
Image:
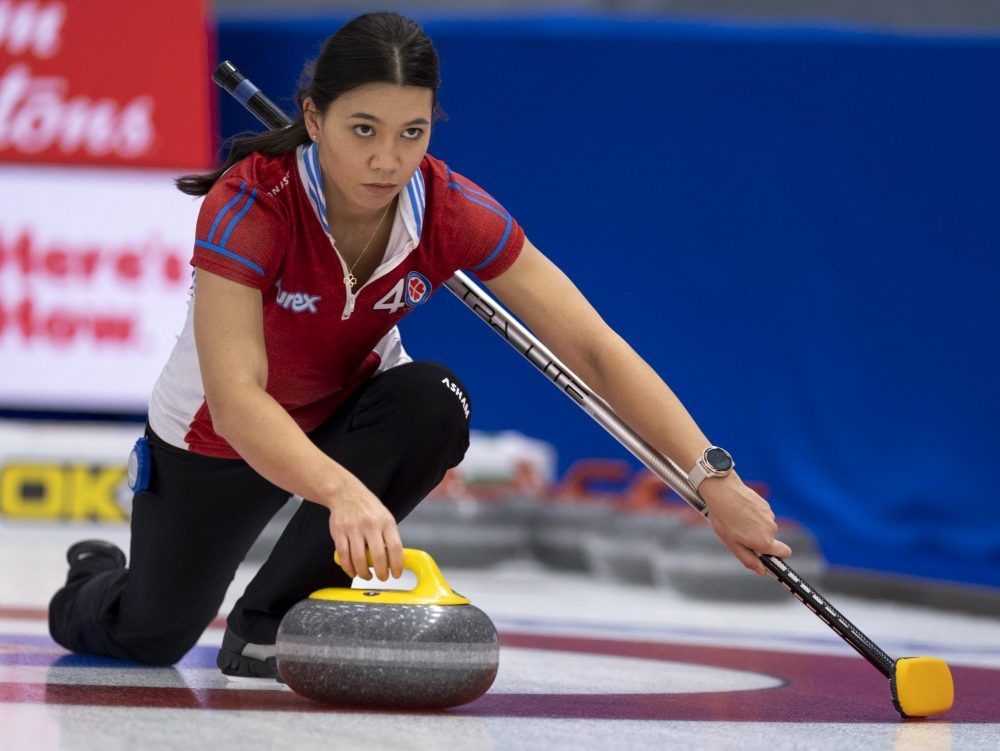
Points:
x=742 y=520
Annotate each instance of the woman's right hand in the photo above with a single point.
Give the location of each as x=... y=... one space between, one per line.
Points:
x=359 y=521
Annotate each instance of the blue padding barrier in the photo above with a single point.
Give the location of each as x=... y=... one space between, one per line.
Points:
x=798 y=229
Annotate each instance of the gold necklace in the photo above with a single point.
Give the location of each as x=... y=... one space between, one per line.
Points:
x=350 y=279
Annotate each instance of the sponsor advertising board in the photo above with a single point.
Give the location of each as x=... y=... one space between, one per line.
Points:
x=110 y=82
x=65 y=473
x=102 y=104
x=94 y=280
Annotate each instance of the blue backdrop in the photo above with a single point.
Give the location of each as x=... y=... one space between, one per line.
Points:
x=796 y=228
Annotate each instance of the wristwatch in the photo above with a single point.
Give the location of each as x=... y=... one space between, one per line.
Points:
x=714 y=462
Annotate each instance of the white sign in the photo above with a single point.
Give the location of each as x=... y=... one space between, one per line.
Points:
x=94 y=280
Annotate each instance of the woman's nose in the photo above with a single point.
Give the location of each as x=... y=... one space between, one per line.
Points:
x=385 y=158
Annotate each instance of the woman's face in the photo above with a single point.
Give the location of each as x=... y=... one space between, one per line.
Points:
x=370 y=141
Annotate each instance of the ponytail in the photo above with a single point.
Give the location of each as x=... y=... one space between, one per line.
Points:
x=271 y=143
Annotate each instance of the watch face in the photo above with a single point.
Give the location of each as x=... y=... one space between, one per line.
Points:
x=719 y=460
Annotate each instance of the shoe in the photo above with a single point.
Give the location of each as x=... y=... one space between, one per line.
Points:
x=95 y=554
x=241 y=659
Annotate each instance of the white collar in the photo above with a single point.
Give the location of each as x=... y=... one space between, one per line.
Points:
x=412 y=200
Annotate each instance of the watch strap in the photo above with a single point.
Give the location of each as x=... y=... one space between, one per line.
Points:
x=697 y=475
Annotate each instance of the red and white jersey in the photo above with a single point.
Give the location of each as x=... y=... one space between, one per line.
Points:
x=263 y=224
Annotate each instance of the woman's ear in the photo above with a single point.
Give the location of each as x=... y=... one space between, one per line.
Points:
x=312 y=118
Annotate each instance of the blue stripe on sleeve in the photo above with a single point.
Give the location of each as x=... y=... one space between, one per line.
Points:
x=505 y=215
x=461 y=189
x=225 y=210
x=478 y=192
x=497 y=249
x=235 y=220
x=229 y=254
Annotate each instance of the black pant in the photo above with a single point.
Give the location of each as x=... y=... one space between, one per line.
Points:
x=398 y=433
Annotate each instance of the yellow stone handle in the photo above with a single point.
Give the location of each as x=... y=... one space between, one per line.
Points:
x=431 y=589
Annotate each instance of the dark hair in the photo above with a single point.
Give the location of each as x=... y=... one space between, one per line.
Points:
x=373 y=48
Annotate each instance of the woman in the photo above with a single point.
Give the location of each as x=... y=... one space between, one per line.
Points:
x=290 y=377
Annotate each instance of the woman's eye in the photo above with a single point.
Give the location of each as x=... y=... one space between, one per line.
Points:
x=363 y=130
x=413 y=133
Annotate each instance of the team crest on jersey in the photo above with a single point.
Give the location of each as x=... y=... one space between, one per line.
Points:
x=418 y=289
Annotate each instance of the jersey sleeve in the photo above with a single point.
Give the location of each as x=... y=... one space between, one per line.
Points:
x=241 y=234
x=490 y=237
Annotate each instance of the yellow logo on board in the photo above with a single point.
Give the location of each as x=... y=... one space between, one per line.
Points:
x=61 y=492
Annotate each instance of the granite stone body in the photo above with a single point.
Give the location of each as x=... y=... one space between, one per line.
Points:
x=388 y=655
x=624 y=548
x=560 y=529
x=470 y=533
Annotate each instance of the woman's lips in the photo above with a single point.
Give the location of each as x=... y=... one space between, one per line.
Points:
x=380 y=189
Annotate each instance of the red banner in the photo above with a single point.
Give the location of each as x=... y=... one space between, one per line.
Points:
x=109 y=82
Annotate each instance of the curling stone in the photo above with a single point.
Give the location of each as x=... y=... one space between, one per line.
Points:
x=623 y=550
x=466 y=532
x=561 y=523
x=466 y=529
x=425 y=648
x=693 y=561
x=560 y=527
